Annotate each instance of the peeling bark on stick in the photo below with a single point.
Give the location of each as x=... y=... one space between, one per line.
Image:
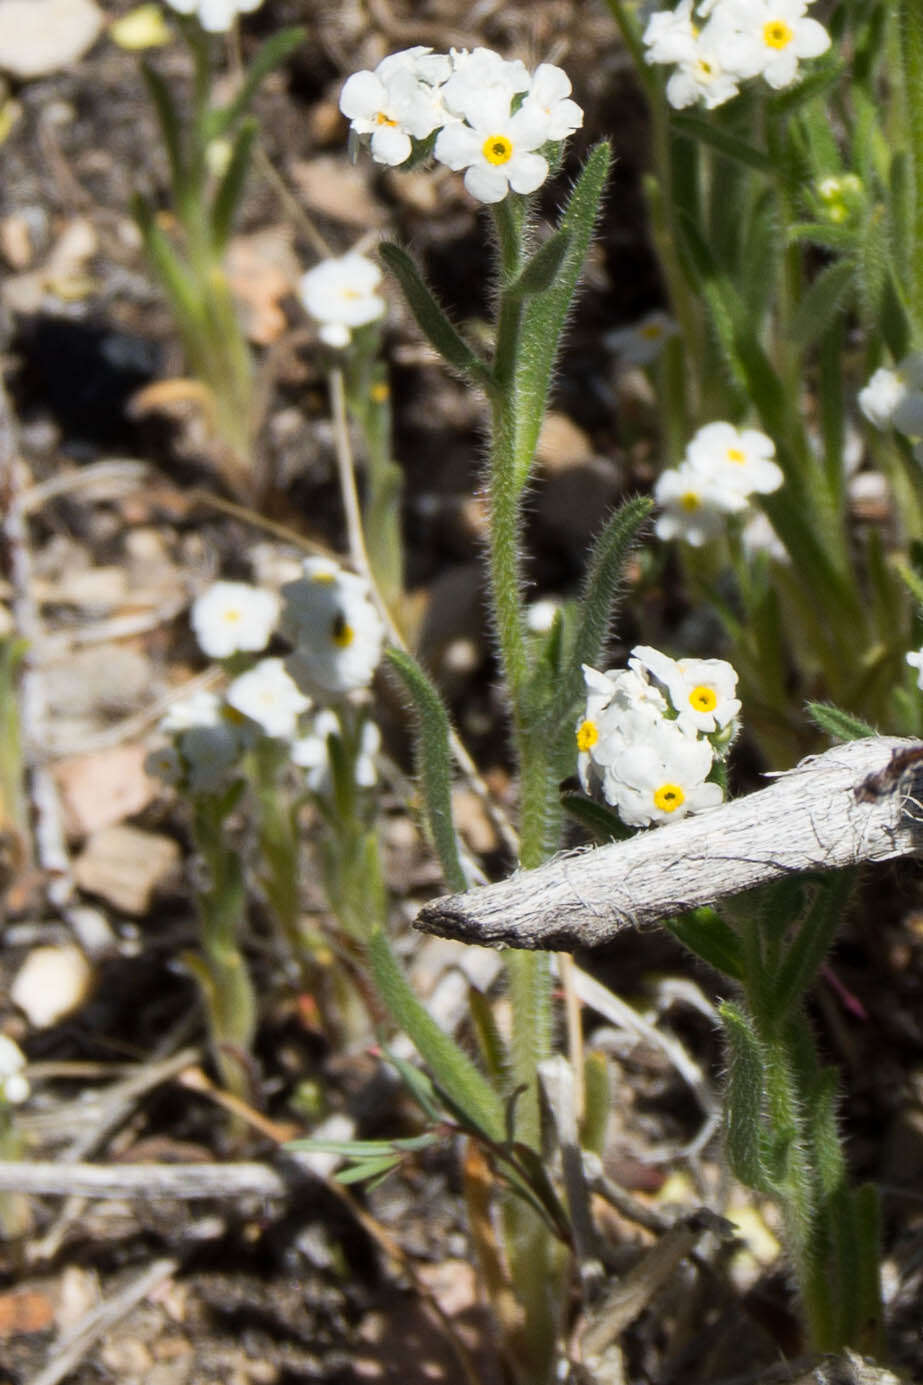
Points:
x=862 y=801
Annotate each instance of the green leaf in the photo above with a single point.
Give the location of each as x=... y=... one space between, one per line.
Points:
x=450 y=1067
x=231 y=186
x=744 y=1097
x=170 y=127
x=812 y=942
x=368 y=1169
x=419 y=1085
x=174 y=276
x=600 y=821
x=273 y=52
x=541 y=269
x=492 y=1044
x=431 y=318
x=837 y=724
x=709 y=937
x=596 y=1104
x=723 y=141
x=598 y=599
x=545 y=315
x=824 y=301
x=434 y=764
x=823 y=233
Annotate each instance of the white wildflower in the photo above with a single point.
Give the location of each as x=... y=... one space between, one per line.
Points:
x=200 y=708
x=768 y=38
x=644 y=340
x=693 y=505
x=393 y=105
x=662 y=778
x=312 y=752
x=165 y=764
x=267 y=695
x=879 y=398
x=915 y=659
x=14 y=1086
x=701 y=691
x=476 y=72
x=621 y=706
x=233 y=616
x=498 y=148
x=738 y=460
x=549 y=96
x=329 y=616
x=341 y=294
x=215 y=16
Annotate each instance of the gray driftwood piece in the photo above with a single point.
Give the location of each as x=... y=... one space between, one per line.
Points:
x=862 y=801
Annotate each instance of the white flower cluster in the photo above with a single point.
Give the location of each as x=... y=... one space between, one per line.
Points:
x=14 y=1085
x=894 y=399
x=492 y=116
x=215 y=16
x=717 y=44
x=651 y=733
x=723 y=467
x=341 y=294
x=337 y=635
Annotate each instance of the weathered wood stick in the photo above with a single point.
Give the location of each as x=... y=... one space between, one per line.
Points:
x=862 y=801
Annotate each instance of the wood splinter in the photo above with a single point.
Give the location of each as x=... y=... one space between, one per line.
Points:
x=862 y=801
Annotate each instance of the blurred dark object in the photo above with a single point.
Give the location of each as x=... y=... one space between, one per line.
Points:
x=83 y=374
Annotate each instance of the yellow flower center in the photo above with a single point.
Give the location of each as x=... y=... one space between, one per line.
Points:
x=323 y=579
x=691 y=501
x=669 y=797
x=497 y=149
x=736 y=454
x=587 y=735
x=777 y=34
x=382 y=119
x=651 y=332
x=232 y=715
x=379 y=392
x=705 y=69
x=703 y=699
x=341 y=632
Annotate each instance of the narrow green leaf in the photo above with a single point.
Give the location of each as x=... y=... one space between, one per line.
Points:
x=546 y=314
x=722 y=141
x=599 y=820
x=434 y=764
x=431 y=319
x=231 y=186
x=419 y=1085
x=174 y=276
x=709 y=937
x=805 y=955
x=823 y=233
x=744 y=1097
x=823 y=1133
x=170 y=127
x=451 y=1068
x=596 y=1104
x=827 y=297
x=271 y=54
x=867 y=1333
x=596 y=607
x=492 y=1044
x=541 y=269
x=837 y=724
x=369 y=1168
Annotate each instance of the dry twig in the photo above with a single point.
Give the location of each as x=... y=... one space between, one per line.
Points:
x=857 y=802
